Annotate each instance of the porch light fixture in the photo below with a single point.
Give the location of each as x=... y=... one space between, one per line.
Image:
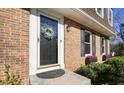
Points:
x=68 y=28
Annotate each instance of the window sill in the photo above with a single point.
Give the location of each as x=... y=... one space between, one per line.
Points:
x=103 y=54
x=88 y=55
x=111 y=24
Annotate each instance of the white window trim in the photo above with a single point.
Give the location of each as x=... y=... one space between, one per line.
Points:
x=90 y=43
x=110 y=23
x=101 y=15
x=108 y=41
x=33 y=41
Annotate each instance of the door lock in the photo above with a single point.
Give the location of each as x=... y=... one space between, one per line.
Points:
x=60 y=41
x=38 y=39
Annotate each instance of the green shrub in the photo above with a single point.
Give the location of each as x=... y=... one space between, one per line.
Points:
x=95 y=71
x=10 y=78
x=116 y=73
x=88 y=72
x=109 y=72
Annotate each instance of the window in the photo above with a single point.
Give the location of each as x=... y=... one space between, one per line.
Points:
x=110 y=16
x=100 y=12
x=103 y=45
x=87 y=42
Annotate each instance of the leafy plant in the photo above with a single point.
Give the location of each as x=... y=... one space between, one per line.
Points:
x=109 y=72
x=10 y=78
x=117 y=70
x=95 y=71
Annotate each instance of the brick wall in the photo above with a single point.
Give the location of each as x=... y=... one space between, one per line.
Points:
x=14 y=42
x=72 y=51
x=72 y=46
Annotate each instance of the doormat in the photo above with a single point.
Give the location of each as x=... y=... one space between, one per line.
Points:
x=51 y=74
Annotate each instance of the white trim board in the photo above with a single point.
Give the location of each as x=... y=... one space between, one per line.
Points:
x=110 y=10
x=90 y=43
x=102 y=13
x=33 y=41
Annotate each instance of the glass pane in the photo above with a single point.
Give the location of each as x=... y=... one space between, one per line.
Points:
x=48 y=41
x=49 y=25
x=87 y=48
x=103 y=43
x=99 y=10
x=110 y=16
x=87 y=37
x=102 y=49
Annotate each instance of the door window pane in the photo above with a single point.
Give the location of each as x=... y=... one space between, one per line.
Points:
x=49 y=27
x=48 y=41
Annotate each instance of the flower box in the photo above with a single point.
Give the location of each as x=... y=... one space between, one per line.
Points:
x=104 y=57
x=90 y=59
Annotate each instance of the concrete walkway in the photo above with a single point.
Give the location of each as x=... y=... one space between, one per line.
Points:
x=59 y=77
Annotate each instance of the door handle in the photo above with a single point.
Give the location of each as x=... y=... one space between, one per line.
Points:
x=60 y=41
x=38 y=39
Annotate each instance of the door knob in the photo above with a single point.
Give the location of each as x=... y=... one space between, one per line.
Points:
x=60 y=41
x=38 y=39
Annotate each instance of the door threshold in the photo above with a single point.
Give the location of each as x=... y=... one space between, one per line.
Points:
x=48 y=66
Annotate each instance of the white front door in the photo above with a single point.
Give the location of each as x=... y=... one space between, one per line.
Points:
x=46 y=41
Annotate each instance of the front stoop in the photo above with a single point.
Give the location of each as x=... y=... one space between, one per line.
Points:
x=68 y=78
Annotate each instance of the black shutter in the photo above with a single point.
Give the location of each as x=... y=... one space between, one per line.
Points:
x=93 y=44
x=82 y=42
x=100 y=44
x=106 y=46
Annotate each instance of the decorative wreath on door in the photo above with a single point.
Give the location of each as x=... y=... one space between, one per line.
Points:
x=47 y=31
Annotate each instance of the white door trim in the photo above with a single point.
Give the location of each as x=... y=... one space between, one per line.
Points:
x=33 y=40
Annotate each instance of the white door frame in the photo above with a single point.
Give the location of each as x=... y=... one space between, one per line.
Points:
x=34 y=43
